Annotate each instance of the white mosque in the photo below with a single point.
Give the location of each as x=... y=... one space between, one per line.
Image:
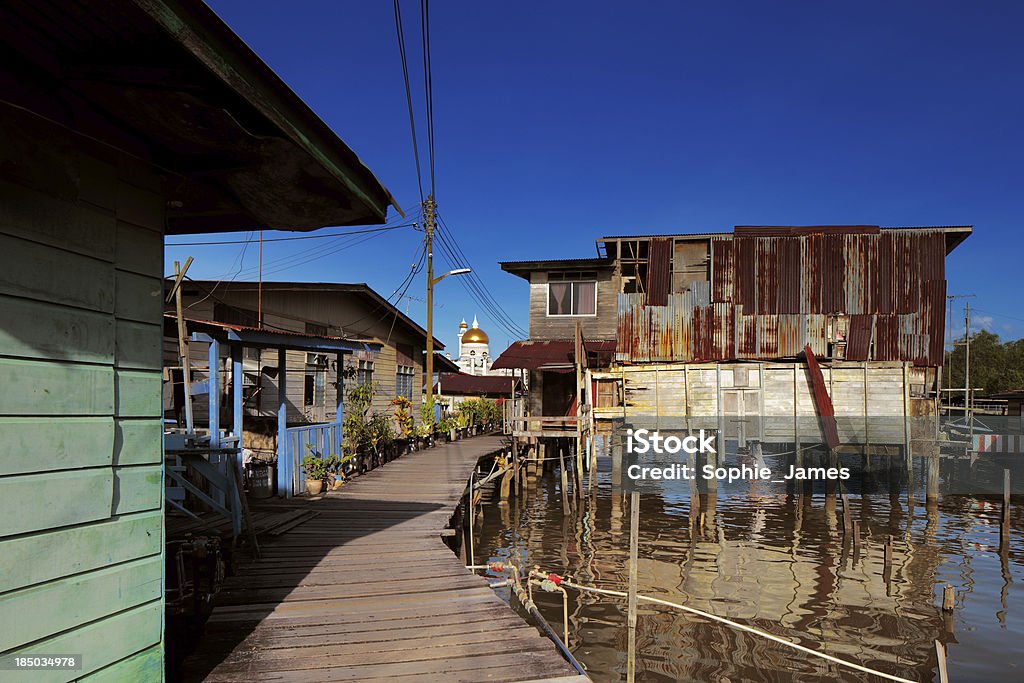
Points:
x=474 y=351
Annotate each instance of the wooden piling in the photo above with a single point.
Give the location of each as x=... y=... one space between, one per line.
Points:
x=887 y=561
x=856 y=536
x=634 y=546
x=940 y=655
x=1004 y=515
x=948 y=598
x=565 y=479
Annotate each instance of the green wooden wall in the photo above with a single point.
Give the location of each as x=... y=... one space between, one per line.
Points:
x=81 y=490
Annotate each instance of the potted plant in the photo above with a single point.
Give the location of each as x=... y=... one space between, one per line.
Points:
x=315 y=469
x=404 y=420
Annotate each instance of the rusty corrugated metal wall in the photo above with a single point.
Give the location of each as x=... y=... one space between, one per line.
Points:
x=880 y=294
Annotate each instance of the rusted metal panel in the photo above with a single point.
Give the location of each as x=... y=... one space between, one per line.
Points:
x=789 y=275
x=858 y=345
x=659 y=271
x=722 y=271
x=772 y=293
x=745 y=282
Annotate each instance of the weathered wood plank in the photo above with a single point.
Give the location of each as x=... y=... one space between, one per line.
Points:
x=102 y=643
x=84 y=495
x=47 y=220
x=137 y=488
x=44 y=557
x=139 y=297
x=40 y=272
x=34 y=329
x=147 y=665
x=138 y=393
x=368 y=591
x=137 y=441
x=31 y=613
x=43 y=388
x=43 y=444
x=138 y=345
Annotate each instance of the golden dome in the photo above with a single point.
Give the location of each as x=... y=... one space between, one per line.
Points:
x=475 y=336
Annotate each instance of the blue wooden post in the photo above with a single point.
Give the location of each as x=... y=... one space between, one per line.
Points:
x=237 y=384
x=284 y=476
x=339 y=413
x=213 y=385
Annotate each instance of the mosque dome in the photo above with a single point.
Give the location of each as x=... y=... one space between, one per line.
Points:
x=475 y=336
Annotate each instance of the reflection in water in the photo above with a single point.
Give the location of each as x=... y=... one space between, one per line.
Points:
x=776 y=559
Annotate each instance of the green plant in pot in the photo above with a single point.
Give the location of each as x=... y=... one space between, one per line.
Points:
x=316 y=470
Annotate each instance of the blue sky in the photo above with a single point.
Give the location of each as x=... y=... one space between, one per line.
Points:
x=557 y=123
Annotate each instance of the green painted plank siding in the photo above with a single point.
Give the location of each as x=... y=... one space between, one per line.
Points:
x=121 y=635
x=137 y=489
x=41 y=444
x=81 y=491
x=48 y=220
x=139 y=297
x=36 y=502
x=32 y=329
x=147 y=665
x=137 y=441
x=42 y=388
x=38 y=558
x=37 y=271
x=139 y=345
x=139 y=394
x=41 y=611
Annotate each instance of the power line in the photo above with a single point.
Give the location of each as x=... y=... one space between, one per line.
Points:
x=477 y=291
x=408 y=96
x=428 y=85
x=449 y=244
x=288 y=239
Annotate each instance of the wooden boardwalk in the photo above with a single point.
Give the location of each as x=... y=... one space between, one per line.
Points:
x=367 y=591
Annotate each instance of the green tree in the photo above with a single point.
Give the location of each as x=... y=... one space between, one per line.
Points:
x=995 y=366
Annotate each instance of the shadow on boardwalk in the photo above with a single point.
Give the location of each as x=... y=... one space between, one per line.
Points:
x=368 y=591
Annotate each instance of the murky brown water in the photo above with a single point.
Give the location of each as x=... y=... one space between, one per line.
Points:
x=775 y=561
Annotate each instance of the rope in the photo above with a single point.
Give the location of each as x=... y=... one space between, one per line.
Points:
x=742 y=627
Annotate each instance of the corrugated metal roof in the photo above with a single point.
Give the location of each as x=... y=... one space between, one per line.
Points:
x=773 y=295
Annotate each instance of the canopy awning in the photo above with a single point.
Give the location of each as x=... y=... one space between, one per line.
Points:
x=553 y=355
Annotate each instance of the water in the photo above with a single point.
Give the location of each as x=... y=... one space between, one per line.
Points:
x=776 y=561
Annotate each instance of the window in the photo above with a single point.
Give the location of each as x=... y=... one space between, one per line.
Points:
x=364 y=372
x=403 y=381
x=576 y=297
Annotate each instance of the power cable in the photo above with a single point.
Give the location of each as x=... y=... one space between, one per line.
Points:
x=408 y=95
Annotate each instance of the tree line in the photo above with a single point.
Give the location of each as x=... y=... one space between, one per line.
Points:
x=995 y=365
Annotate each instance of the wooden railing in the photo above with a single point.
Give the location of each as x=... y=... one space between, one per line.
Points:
x=318 y=440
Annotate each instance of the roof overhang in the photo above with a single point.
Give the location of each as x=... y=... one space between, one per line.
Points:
x=269 y=339
x=238 y=148
x=524 y=268
x=383 y=309
x=556 y=355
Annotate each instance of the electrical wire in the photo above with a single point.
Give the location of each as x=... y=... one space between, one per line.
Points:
x=450 y=242
x=428 y=86
x=473 y=284
x=318 y=236
x=408 y=97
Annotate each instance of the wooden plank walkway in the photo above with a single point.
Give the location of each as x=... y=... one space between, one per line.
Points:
x=367 y=591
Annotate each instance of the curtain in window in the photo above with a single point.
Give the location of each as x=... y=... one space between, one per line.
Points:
x=559 y=294
x=583 y=298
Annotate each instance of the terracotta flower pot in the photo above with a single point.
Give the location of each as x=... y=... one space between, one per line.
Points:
x=314 y=487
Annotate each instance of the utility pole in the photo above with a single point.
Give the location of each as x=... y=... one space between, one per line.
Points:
x=968 y=394
x=429 y=207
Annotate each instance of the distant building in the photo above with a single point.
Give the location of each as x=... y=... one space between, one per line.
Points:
x=475 y=351
x=721 y=323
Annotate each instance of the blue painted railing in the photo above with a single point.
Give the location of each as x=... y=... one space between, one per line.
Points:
x=319 y=440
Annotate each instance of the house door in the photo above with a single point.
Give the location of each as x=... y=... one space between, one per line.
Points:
x=741 y=413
